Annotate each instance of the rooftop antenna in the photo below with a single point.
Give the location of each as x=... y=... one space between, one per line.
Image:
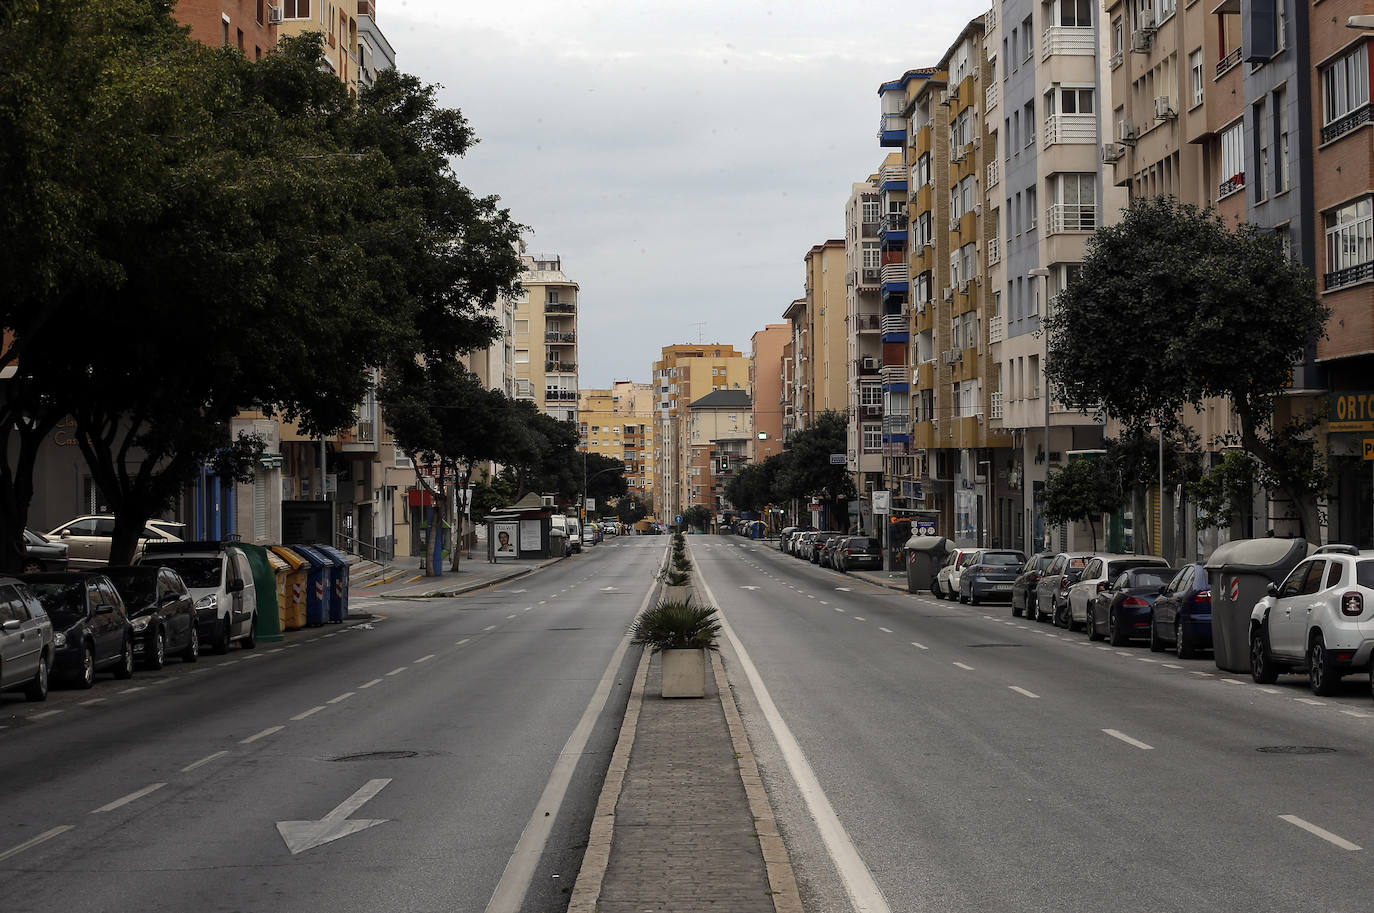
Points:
x=699 y=326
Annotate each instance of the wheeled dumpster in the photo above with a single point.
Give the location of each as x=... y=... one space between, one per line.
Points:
x=924 y=555
x=319 y=583
x=1239 y=573
x=265 y=586
x=293 y=582
x=338 y=595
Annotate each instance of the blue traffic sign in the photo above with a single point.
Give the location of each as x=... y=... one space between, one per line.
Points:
x=678 y=518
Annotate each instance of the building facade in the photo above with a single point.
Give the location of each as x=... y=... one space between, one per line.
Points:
x=618 y=422
x=375 y=53
x=546 y=337
x=249 y=25
x=767 y=347
x=337 y=21
x=720 y=434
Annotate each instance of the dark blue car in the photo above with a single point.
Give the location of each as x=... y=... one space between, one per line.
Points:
x=1121 y=611
x=1182 y=615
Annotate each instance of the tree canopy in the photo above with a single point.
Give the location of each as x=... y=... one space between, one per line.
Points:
x=1083 y=491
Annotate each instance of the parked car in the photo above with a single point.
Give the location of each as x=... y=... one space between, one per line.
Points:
x=88 y=538
x=1321 y=619
x=794 y=544
x=1024 y=585
x=859 y=553
x=989 y=575
x=574 y=529
x=784 y=535
x=1096 y=577
x=221 y=582
x=800 y=542
x=162 y=612
x=26 y=641
x=946 y=584
x=1182 y=614
x=91 y=628
x=823 y=549
x=42 y=554
x=590 y=535
x=1121 y=612
x=1048 y=598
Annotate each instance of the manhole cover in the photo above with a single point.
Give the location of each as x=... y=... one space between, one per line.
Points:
x=378 y=756
x=976 y=646
x=1295 y=749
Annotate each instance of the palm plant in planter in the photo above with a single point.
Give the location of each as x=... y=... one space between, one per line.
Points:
x=682 y=632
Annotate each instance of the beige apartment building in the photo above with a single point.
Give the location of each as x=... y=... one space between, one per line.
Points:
x=618 y=423
x=546 y=337
x=820 y=339
x=683 y=374
x=338 y=21
x=766 y=384
x=863 y=315
x=720 y=435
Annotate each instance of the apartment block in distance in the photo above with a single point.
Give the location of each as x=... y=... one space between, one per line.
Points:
x=337 y=20
x=546 y=337
x=720 y=432
x=249 y=25
x=375 y=53
x=819 y=338
x=766 y=385
x=619 y=423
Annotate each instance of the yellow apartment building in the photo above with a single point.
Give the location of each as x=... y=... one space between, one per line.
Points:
x=618 y=422
x=546 y=337
x=338 y=20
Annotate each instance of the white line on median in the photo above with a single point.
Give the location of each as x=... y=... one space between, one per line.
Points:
x=270 y=730
x=29 y=844
x=1019 y=690
x=342 y=697
x=375 y=681
x=1128 y=740
x=131 y=797
x=300 y=716
x=1320 y=832
x=205 y=760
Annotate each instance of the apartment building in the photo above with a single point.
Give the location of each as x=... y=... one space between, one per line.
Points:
x=546 y=337
x=375 y=53
x=683 y=374
x=618 y=422
x=249 y=25
x=720 y=436
x=820 y=341
x=766 y=384
x=338 y=21
x=863 y=254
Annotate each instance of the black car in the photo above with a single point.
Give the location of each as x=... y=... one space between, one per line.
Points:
x=1122 y=610
x=162 y=611
x=42 y=554
x=823 y=550
x=857 y=553
x=1024 y=584
x=990 y=574
x=1181 y=617
x=91 y=628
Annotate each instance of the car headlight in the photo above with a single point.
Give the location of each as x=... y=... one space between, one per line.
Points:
x=207 y=602
x=141 y=622
x=59 y=639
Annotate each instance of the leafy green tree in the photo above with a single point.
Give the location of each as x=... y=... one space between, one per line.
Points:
x=605 y=478
x=697 y=517
x=492 y=493
x=806 y=471
x=751 y=488
x=1212 y=311
x=1083 y=491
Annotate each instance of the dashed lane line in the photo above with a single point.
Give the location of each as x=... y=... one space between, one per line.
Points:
x=203 y=761
x=860 y=618
x=313 y=710
x=1019 y=690
x=92 y=701
x=131 y=797
x=489 y=628
x=375 y=681
x=1117 y=734
x=398 y=670
x=31 y=843
x=962 y=666
x=428 y=656
x=1308 y=700
x=886 y=630
x=1321 y=832
x=1171 y=665
x=1233 y=681
x=919 y=646
x=342 y=697
x=45 y=714
x=1357 y=714
x=459 y=643
x=270 y=730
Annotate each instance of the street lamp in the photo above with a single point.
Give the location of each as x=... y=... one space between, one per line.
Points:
x=1043 y=273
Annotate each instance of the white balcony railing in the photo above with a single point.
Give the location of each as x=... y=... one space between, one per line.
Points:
x=996 y=330
x=896 y=424
x=995 y=403
x=990 y=19
x=894 y=323
x=992 y=96
x=892 y=173
x=895 y=374
x=1070 y=128
x=994 y=251
x=896 y=272
x=994 y=172
x=1067 y=39
x=1064 y=217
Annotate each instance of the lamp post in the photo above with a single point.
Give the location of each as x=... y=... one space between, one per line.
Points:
x=1043 y=273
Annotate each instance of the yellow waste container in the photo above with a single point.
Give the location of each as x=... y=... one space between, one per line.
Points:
x=291 y=587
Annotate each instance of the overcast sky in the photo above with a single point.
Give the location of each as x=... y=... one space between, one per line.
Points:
x=681 y=156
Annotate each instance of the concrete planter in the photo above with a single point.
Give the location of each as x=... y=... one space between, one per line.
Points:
x=684 y=673
x=677 y=593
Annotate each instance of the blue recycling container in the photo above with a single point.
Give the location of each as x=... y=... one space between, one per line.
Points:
x=338 y=595
x=318 y=583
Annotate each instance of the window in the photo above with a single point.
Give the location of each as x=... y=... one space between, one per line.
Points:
x=1261 y=128
x=224 y=31
x=1195 y=75
x=261 y=11
x=1075 y=204
x=295 y=9
x=871 y=210
x=873 y=438
x=922 y=230
x=1350 y=243
x=522 y=328
x=872 y=255
x=1232 y=160
x=1345 y=93
x=871 y=395
x=1029 y=118
x=1072 y=101
x=1028 y=32
x=1118 y=42
x=1166 y=9
x=1280 y=118
x=1076 y=13
x=1031 y=205
x=1280 y=25
x=922 y=170
x=522 y=356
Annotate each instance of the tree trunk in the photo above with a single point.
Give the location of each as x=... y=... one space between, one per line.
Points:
x=16 y=486
x=1092 y=531
x=458 y=541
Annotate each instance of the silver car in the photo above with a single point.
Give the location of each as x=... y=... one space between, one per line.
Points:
x=88 y=539
x=26 y=641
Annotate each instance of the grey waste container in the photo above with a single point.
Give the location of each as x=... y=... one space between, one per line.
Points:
x=924 y=555
x=1239 y=572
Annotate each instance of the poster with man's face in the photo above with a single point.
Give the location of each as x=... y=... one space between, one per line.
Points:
x=506 y=545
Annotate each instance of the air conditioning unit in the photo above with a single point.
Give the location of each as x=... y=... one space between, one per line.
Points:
x=1140 y=41
x=873 y=410
x=949 y=294
x=273 y=15
x=977 y=209
x=1112 y=152
x=1125 y=131
x=870 y=364
x=1163 y=110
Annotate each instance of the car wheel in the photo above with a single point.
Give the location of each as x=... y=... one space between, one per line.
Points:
x=1015 y=612
x=86 y=677
x=192 y=653
x=1183 y=644
x=157 y=649
x=1262 y=667
x=1091 y=625
x=125 y=669
x=38 y=688
x=1114 y=635
x=1321 y=669
x=251 y=640
x=221 y=642
x=33 y=567
x=1156 y=644
x=972 y=597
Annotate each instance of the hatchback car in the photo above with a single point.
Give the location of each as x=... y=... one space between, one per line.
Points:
x=1121 y=612
x=1024 y=585
x=823 y=550
x=946 y=584
x=858 y=553
x=989 y=575
x=784 y=535
x=162 y=612
x=91 y=629
x=88 y=538
x=1099 y=573
x=26 y=641
x=1182 y=614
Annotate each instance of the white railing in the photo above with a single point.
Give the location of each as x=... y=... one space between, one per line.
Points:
x=896 y=272
x=994 y=251
x=896 y=424
x=995 y=402
x=894 y=323
x=1064 y=217
x=994 y=172
x=990 y=19
x=892 y=173
x=894 y=374
x=952 y=356
x=1067 y=39
x=1070 y=128
x=996 y=329
x=992 y=96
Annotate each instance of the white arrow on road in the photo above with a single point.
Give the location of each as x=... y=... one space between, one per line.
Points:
x=748 y=588
x=306 y=835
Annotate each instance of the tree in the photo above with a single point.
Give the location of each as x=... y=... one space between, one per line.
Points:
x=807 y=471
x=605 y=478
x=698 y=517
x=751 y=488
x=1213 y=311
x=1082 y=491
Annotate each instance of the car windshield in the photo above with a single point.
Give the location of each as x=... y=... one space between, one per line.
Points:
x=65 y=602
x=136 y=587
x=1004 y=559
x=198 y=573
x=1043 y=562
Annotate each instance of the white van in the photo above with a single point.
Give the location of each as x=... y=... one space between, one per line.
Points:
x=574 y=534
x=221 y=583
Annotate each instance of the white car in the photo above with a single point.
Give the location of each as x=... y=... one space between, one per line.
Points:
x=589 y=536
x=946 y=584
x=221 y=583
x=1097 y=576
x=1320 y=619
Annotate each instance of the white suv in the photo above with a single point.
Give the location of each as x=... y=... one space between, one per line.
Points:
x=1321 y=618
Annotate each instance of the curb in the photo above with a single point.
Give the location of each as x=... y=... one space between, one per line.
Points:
x=459 y=591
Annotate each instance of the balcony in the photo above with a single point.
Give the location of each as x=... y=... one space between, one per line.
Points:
x=1116 y=59
x=990 y=19
x=895 y=374
x=1359 y=117
x=868 y=229
x=1070 y=128
x=992 y=96
x=995 y=402
x=560 y=367
x=898 y=449
x=560 y=307
x=1360 y=272
x=560 y=338
x=869 y=277
x=896 y=272
x=952 y=356
x=1228 y=62
x=1233 y=184
x=867 y=323
x=893 y=323
x=994 y=251
x=1064 y=217
x=996 y=329
x=895 y=221
x=560 y=396
x=994 y=172
x=892 y=177
x=891 y=130
x=1067 y=39
x=899 y=423
x=868 y=365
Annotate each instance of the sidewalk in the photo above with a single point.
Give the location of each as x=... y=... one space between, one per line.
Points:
x=893 y=580
x=473 y=574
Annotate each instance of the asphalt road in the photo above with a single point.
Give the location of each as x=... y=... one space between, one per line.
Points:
x=443 y=720
x=978 y=762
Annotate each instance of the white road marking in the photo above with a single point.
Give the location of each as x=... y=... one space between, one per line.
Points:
x=300 y=716
x=1104 y=648
x=1271 y=690
x=919 y=646
x=1145 y=659
x=838 y=609
x=489 y=628
x=1308 y=700
x=45 y=714
x=823 y=602
x=342 y=697
x=131 y=797
x=428 y=656
x=1128 y=740
x=270 y=730
x=1357 y=714
x=304 y=835
x=205 y=760
x=1233 y=681
x=397 y=671
x=886 y=630
x=335 y=634
x=94 y=700
x=966 y=668
x=375 y=681
x=842 y=589
x=459 y=643
x=1122 y=653
x=509 y=617
x=1198 y=672
x=527 y=608
x=30 y=844
x=1019 y=690
x=860 y=618
x=288 y=647
x=1320 y=832
x=1171 y=666
x=132 y=690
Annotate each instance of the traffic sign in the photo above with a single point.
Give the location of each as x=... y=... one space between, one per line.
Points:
x=839 y=459
x=678 y=518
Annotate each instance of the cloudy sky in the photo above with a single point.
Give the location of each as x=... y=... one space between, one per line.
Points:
x=681 y=156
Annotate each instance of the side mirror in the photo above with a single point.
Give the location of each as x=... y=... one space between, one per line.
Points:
x=1272 y=589
x=235 y=586
x=104 y=609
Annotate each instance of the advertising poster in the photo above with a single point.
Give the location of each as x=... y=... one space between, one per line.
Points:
x=529 y=536
x=504 y=537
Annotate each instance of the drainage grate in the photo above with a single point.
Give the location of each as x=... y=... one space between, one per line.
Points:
x=378 y=756
x=1295 y=749
x=976 y=646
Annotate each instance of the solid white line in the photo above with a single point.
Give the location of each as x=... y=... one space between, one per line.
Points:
x=459 y=643
x=261 y=735
x=1320 y=832
x=1357 y=714
x=131 y=797
x=1128 y=740
x=29 y=844
x=886 y=630
x=94 y=700
x=300 y=716
x=205 y=760
x=342 y=697
x=45 y=714
x=1020 y=690
x=397 y=671
x=919 y=646
x=375 y=681
x=964 y=667
x=428 y=656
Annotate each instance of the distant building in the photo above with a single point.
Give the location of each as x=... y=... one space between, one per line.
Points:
x=249 y=25
x=374 y=51
x=766 y=372
x=618 y=422
x=546 y=337
x=338 y=21
x=720 y=434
